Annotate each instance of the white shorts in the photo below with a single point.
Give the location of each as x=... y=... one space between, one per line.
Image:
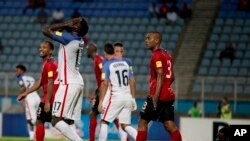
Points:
x=68 y=101
x=120 y=109
x=32 y=102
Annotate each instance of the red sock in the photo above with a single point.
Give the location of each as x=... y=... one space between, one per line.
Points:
x=176 y=136
x=142 y=136
x=116 y=124
x=40 y=132
x=92 y=127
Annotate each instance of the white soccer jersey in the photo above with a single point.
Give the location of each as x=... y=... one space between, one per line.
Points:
x=27 y=82
x=118 y=73
x=69 y=57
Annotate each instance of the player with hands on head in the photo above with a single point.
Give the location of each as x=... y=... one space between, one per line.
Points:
x=68 y=99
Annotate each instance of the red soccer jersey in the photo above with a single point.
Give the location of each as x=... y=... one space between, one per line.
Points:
x=161 y=59
x=98 y=69
x=49 y=71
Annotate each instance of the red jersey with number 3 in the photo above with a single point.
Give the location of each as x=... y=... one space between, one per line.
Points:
x=49 y=71
x=98 y=69
x=161 y=59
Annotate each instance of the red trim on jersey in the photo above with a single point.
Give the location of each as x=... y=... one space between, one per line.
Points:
x=64 y=99
x=27 y=105
x=65 y=66
x=107 y=107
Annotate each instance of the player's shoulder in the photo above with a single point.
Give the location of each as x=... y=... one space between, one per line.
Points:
x=161 y=52
x=99 y=58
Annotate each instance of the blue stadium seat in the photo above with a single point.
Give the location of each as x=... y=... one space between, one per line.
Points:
x=236 y=63
x=196 y=88
x=213 y=71
x=247 y=90
x=218 y=89
x=217 y=30
x=205 y=62
x=242 y=72
x=245 y=63
x=233 y=72
x=219 y=22
x=211 y=46
x=208 y=54
x=223 y=71
x=247 y=54
x=239 y=54
x=242 y=46
x=208 y=88
x=228 y=89
x=215 y=63
x=226 y=62
x=202 y=71
x=214 y=38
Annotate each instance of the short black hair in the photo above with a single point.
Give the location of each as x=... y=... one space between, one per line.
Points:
x=118 y=44
x=93 y=46
x=84 y=28
x=109 y=49
x=50 y=44
x=21 y=67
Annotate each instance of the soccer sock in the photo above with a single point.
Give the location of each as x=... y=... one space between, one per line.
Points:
x=73 y=127
x=131 y=131
x=40 y=132
x=31 y=132
x=123 y=135
x=142 y=136
x=176 y=136
x=65 y=129
x=92 y=127
x=117 y=124
x=103 y=132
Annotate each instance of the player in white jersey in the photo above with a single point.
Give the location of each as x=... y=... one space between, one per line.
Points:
x=116 y=75
x=68 y=99
x=31 y=102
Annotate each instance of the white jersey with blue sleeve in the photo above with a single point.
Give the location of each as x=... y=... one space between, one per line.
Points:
x=118 y=73
x=69 y=57
x=26 y=81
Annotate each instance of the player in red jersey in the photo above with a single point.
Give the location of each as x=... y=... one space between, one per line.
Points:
x=159 y=103
x=48 y=81
x=98 y=60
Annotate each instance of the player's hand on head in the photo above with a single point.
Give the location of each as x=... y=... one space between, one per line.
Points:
x=47 y=107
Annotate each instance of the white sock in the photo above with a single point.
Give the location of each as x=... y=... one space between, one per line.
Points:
x=103 y=134
x=65 y=129
x=123 y=134
x=131 y=131
x=73 y=127
x=31 y=132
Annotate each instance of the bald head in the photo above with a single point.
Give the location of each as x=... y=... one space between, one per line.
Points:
x=153 y=40
x=91 y=50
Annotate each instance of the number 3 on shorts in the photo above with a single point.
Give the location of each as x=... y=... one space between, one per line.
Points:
x=56 y=106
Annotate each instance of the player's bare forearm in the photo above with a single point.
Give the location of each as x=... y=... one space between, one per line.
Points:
x=34 y=87
x=159 y=83
x=132 y=87
x=103 y=90
x=50 y=90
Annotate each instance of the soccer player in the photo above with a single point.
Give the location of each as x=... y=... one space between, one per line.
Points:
x=116 y=75
x=32 y=101
x=159 y=103
x=98 y=60
x=119 y=52
x=68 y=99
x=49 y=82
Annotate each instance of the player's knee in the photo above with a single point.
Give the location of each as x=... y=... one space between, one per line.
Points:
x=124 y=126
x=142 y=125
x=39 y=122
x=55 y=120
x=170 y=126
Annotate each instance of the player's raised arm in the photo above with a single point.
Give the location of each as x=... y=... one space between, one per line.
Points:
x=33 y=88
x=70 y=25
